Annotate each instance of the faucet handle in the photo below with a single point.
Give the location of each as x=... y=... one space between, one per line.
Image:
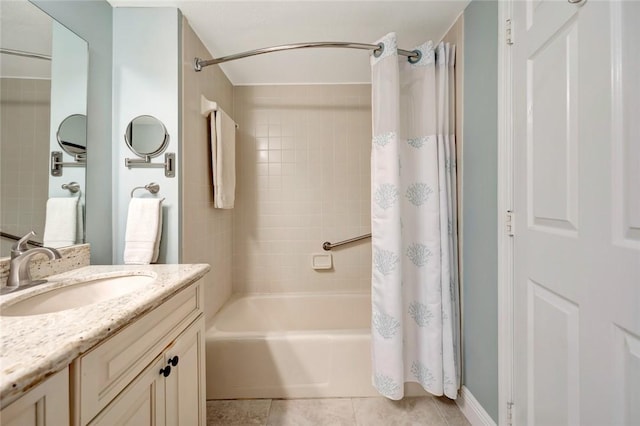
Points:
x=21 y=245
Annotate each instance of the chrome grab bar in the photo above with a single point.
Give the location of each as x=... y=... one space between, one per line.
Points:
x=328 y=246
x=16 y=238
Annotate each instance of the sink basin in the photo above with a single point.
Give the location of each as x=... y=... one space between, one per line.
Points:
x=77 y=295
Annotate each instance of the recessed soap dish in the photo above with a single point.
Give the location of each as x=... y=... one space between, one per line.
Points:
x=321 y=261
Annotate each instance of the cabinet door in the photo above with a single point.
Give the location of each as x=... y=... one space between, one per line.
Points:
x=185 y=386
x=47 y=404
x=106 y=370
x=141 y=403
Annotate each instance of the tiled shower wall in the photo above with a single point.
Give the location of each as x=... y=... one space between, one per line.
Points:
x=24 y=149
x=303 y=177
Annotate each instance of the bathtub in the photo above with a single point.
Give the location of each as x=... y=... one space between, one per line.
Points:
x=290 y=346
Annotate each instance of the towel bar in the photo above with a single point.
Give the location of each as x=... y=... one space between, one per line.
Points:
x=207 y=106
x=151 y=187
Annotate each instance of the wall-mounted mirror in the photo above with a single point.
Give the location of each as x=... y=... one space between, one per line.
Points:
x=72 y=134
x=146 y=136
x=43 y=80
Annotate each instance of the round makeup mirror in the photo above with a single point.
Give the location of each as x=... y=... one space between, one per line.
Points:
x=146 y=136
x=72 y=134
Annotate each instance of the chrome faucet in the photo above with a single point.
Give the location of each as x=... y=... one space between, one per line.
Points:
x=19 y=274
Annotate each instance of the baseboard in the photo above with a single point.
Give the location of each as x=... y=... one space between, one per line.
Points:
x=472 y=409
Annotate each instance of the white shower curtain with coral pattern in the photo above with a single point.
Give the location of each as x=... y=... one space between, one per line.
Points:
x=415 y=315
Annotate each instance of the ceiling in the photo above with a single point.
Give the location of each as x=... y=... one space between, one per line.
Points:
x=228 y=27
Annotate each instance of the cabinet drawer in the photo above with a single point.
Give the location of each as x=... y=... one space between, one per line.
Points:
x=102 y=373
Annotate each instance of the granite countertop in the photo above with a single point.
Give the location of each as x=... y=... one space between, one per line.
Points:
x=34 y=347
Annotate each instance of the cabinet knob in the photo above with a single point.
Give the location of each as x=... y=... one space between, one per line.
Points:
x=165 y=371
x=173 y=361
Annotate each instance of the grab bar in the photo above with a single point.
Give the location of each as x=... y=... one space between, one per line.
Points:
x=328 y=246
x=16 y=238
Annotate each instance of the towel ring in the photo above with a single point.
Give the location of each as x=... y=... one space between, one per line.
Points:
x=152 y=188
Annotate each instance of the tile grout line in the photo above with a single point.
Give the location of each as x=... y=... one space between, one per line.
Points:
x=353 y=411
x=440 y=411
x=266 y=422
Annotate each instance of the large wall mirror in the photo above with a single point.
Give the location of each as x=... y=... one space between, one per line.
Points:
x=43 y=106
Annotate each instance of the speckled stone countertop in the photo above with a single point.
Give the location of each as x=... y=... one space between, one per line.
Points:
x=34 y=347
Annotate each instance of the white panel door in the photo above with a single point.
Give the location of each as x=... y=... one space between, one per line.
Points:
x=576 y=145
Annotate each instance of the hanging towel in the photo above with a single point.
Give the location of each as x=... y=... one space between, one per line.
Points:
x=80 y=222
x=61 y=222
x=223 y=159
x=144 y=230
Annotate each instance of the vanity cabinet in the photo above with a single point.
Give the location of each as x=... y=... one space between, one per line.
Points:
x=150 y=372
x=152 y=398
x=45 y=405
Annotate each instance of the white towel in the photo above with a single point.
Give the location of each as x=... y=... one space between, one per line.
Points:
x=80 y=223
x=223 y=159
x=144 y=230
x=61 y=222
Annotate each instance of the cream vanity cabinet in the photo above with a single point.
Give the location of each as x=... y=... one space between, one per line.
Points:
x=149 y=373
x=45 y=405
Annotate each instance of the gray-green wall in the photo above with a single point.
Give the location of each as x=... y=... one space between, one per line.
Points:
x=480 y=195
x=92 y=20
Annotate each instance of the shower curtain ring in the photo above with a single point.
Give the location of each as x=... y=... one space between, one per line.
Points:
x=378 y=52
x=414 y=59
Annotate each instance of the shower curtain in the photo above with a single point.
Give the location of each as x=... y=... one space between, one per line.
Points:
x=415 y=312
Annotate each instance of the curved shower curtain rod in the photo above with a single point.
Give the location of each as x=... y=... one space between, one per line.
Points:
x=24 y=54
x=413 y=55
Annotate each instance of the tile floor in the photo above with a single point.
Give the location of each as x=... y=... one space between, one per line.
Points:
x=423 y=411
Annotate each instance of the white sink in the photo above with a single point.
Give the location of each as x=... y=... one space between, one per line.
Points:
x=77 y=295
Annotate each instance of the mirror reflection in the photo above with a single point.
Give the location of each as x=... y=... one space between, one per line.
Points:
x=72 y=134
x=43 y=81
x=146 y=136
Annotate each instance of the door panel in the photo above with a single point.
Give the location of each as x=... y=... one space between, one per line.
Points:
x=186 y=384
x=628 y=373
x=552 y=323
x=141 y=403
x=576 y=133
x=552 y=136
x=626 y=131
x=45 y=405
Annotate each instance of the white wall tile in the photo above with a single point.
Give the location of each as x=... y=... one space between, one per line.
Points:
x=306 y=181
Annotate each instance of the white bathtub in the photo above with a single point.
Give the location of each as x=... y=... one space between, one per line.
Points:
x=290 y=346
